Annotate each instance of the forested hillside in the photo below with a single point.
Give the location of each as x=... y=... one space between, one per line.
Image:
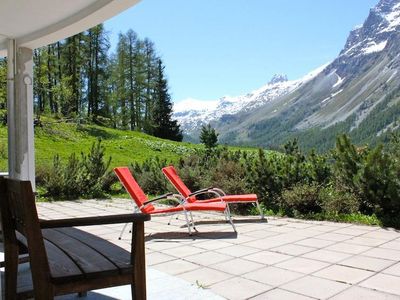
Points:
x=78 y=78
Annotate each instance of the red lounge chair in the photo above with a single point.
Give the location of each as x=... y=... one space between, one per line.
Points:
x=145 y=206
x=190 y=197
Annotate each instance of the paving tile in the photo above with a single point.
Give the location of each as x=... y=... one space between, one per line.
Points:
x=366 y=241
x=241 y=239
x=183 y=251
x=383 y=234
x=302 y=265
x=282 y=229
x=315 y=243
x=260 y=233
x=212 y=245
x=343 y=274
x=383 y=282
x=237 y=266
x=308 y=232
x=175 y=267
x=238 y=250
x=383 y=253
x=292 y=249
x=161 y=245
x=351 y=231
x=336 y=224
x=208 y=258
x=204 y=276
x=315 y=287
x=268 y=257
x=273 y=276
x=323 y=228
x=367 y=263
x=393 y=270
x=348 y=248
x=333 y=237
x=157 y=257
x=359 y=293
x=327 y=255
x=298 y=225
x=395 y=245
x=239 y=288
x=278 y=294
x=265 y=244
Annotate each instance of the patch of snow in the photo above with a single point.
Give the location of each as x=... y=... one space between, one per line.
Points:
x=337 y=93
x=372 y=47
x=194 y=104
x=393 y=19
x=332 y=95
x=314 y=73
x=338 y=82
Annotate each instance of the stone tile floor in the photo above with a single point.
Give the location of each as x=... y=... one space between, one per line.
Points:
x=279 y=259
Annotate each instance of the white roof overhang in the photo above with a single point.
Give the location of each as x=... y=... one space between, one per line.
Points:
x=34 y=24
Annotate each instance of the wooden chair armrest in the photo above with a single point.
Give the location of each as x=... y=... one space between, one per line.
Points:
x=98 y=220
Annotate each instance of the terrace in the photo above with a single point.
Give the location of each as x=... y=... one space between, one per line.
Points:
x=279 y=259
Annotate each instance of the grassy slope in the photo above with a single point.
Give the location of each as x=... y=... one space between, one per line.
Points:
x=123 y=146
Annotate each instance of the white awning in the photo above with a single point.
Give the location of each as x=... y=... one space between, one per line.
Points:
x=36 y=23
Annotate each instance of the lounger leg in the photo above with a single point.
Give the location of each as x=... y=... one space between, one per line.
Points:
x=187 y=222
x=260 y=210
x=122 y=231
x=170 y=219
x=191 y=217
x=228 y=213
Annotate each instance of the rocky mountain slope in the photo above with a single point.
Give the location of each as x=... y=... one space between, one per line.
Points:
x=357 y=93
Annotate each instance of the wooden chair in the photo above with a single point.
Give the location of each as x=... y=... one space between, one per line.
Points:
x=64 y=259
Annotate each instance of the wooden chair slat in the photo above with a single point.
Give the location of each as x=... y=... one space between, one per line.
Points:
x=87 y=259
x=116 y=255
x=62 y=267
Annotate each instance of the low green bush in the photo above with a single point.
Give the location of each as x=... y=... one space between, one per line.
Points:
x=301 y=199
x=78 y=178
x=334 y=201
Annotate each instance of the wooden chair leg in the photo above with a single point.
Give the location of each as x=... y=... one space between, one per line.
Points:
x=82 y=294
x=11 y=270
x=138 y=286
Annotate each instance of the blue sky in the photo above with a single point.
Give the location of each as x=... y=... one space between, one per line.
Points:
x=213 y=48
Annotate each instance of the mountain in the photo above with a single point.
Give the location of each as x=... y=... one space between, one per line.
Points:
x=192 y=114
x=357 y=93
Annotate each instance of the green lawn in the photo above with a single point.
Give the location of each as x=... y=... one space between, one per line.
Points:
x=123 y=146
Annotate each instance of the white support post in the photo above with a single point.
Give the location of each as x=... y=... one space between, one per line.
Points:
x=21 y=155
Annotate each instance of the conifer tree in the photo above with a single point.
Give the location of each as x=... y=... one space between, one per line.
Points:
x=209 y=137
x=163 y=125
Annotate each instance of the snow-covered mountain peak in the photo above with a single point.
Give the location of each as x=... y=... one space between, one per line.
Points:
x=192 y=114
x=373 y=34
x=278 y=78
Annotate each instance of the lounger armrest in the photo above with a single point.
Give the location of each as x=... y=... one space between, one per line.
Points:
x=98 y=220
x=202 y=191
x=165 y=196
x=219 y=191
x=207 y=191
